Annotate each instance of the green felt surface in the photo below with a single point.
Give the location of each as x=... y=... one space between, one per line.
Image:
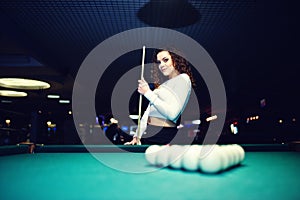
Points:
x=262 y=175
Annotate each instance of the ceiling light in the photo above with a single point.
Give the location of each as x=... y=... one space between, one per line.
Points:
x=11 y=93
x=64 y=101
x=113 y=121
x=20 y=83
x=6 y=101
x=197 y=121
x=211 y=118
x=53 y=96
x=133 y=116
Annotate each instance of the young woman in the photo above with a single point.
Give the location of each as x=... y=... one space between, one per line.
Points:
x=167 y=101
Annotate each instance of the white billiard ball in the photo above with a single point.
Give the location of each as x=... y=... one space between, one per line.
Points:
x=151 y=153
x=191 y=157
x=162 y=156
x=176 y=153
x=210 y=160
x=241 y=153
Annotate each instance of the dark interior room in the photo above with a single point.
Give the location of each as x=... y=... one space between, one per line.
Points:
x=83 y=59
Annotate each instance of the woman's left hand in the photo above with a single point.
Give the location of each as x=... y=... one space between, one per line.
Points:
x=143 y=86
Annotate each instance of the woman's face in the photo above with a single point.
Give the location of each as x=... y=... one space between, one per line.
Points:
x=166 y=65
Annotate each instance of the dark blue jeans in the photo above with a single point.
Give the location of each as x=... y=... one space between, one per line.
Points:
x=159 y=135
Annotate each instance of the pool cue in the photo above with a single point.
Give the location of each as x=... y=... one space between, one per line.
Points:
x=138 y=142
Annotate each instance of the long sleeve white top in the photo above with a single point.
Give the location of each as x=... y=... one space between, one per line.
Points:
x=167 y=101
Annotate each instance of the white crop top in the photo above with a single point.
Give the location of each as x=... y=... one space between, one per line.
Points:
x=168 y=100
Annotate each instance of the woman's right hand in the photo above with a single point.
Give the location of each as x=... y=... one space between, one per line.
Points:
x=143 y=86
x=134 y=141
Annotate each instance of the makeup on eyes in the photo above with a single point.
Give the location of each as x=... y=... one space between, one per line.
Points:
x=165 y=60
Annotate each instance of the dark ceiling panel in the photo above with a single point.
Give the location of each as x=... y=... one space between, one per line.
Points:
x=249 y=40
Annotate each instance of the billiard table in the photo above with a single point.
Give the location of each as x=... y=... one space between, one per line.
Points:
x=105 y=172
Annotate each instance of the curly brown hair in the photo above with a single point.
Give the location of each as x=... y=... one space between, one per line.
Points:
x=180 y=64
